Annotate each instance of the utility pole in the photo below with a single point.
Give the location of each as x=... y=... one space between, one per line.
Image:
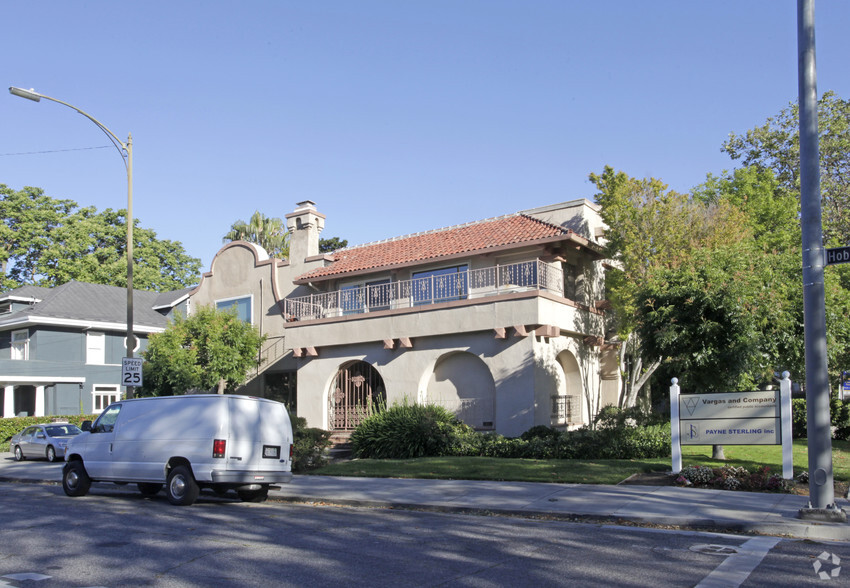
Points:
x=821 y=489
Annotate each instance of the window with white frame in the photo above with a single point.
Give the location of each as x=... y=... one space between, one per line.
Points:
x=21 y=345
x=95 y=348
x=242 y=306
x=103 y=396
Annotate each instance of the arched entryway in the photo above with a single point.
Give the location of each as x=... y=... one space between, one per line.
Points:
x=566 y=404
x=358 y=392
x=462 y=383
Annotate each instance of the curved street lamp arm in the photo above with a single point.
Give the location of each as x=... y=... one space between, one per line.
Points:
x=120 y=145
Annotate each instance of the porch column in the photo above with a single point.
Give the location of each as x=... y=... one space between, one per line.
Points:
x=39 y=401
x=9 y=402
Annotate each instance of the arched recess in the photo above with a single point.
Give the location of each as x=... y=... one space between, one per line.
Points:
x=462 y=383
x=358 y=391
x=566 y=406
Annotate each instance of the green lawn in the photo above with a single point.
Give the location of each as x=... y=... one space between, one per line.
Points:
x=577 y=471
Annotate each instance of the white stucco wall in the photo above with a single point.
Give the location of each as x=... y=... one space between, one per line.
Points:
x=523 y=372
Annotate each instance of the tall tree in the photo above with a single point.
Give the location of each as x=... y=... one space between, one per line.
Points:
x=331 y=244
x=47 y=242
x=720 y=318
x=268 y=232
x=209 y=349
x=650 y=228
x=776 y=146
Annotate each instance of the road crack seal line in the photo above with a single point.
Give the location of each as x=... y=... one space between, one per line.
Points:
x=168 y=571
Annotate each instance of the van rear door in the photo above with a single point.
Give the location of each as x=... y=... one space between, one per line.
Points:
x=260 y=434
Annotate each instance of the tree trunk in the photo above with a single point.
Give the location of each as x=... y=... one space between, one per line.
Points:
x=222 y=384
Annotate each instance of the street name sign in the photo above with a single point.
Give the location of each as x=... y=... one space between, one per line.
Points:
x=837 y=255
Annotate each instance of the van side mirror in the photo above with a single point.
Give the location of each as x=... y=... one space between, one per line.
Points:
x=85 y=426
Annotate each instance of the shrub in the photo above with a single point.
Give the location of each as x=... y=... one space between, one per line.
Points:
x=309 y=446
x=540 y=432
x=612 y=417
x=409 y=430
x=732 y=478
x=839 y=416
x=406 y=431
x=585 y=443
x=635 y=442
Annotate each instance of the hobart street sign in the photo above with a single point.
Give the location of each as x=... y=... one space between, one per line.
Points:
x=837 y=255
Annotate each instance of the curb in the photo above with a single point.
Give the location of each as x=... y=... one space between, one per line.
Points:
x=799 y=530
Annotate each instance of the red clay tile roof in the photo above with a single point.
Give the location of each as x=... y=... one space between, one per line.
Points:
x=516 y=229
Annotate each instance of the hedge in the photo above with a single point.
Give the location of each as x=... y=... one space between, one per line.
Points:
x=406 y=431
x=839 y=418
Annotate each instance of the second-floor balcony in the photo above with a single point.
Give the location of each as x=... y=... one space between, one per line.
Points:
x=437 y=287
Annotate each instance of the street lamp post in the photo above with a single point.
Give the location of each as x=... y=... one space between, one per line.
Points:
x=126 y=152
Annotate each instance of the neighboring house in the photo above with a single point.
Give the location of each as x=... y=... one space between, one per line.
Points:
x=61 y=348
x=497 y=320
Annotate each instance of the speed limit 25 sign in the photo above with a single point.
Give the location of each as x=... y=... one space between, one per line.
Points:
x=131 y=371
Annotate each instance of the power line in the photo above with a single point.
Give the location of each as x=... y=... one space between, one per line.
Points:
x=55 y=151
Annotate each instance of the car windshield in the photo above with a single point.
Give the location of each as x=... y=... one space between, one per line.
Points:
x=63 y=430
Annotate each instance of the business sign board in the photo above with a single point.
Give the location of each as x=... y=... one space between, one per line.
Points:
x=761 y=417
x=730 y=418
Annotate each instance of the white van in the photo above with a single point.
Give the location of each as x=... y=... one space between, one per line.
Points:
x=218 y=441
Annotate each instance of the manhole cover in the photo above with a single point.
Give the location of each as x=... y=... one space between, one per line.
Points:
x=714 y=549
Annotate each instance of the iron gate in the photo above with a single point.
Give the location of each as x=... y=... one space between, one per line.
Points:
x=358 y=393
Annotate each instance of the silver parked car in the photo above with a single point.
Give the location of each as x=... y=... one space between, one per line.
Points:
x=46 y=441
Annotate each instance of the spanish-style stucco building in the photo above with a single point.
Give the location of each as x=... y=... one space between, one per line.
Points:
x=498 y=320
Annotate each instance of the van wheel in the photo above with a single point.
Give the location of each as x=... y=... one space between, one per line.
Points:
x=75 y=479
x=19 y=455
x=50 y=453
x=254 y=495
x=149 y=488
x=181 y=488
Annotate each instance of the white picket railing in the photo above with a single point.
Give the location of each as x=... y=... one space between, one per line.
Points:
x=529 y=275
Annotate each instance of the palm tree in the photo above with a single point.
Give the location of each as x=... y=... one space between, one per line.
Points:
x=268 y=232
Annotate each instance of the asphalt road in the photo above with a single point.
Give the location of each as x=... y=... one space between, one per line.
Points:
x=115 y=537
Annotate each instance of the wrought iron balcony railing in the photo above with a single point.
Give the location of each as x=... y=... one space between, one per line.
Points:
x=432 y=289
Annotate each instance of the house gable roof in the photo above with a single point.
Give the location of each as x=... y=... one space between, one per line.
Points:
x=77 y=303
x=511 y=231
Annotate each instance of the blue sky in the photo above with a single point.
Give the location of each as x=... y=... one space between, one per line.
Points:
x=393 y=116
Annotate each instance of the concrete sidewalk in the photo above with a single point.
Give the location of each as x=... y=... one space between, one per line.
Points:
x=719 y=510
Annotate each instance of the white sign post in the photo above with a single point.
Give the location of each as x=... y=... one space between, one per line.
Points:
x=734 y=418
x=131 y=371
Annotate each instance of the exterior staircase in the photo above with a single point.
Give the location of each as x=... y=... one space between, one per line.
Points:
x=340 y=448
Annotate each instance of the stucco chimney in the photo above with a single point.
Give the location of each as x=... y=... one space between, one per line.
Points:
x=304 y=226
